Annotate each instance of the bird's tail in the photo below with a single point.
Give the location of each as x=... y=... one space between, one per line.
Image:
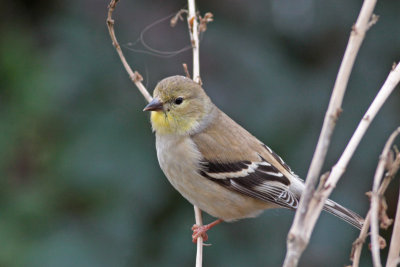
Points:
x=345 y=214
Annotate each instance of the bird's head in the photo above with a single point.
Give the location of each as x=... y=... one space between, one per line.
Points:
x=179 y=106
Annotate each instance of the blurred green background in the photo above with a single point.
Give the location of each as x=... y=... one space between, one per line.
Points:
x=80 y=182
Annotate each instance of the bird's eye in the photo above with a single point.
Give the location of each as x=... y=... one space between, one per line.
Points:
x=179 y=100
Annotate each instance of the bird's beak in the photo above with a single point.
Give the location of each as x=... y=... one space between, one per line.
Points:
x=154 y=105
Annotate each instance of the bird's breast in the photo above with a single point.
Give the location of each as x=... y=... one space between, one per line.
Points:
x=179 y=159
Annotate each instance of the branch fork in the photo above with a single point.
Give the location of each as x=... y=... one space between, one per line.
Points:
x=311 y=202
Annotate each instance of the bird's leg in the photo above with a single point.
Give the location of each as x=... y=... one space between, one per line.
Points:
x=200 y=231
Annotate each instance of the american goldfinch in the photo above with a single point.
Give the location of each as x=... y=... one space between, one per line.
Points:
x=216 y=164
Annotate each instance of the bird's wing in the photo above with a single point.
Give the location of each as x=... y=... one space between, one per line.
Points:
x=236 y=160
x=259 y=180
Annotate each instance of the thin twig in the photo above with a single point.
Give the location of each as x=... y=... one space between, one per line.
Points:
x=375 y=199
x=394 y=250
x=193 y=25
x=358 y=244
x=135 y=77
x=297 y=238
x=194 y=38
x=199 y=252
x=387 y=88
x=186 y=70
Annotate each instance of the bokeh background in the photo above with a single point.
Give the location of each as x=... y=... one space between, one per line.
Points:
x=80 y=183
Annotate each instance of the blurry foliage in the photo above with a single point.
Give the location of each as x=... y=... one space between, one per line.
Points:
x=80 y=183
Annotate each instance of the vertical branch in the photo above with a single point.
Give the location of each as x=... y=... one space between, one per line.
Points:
x=297 y=238
x=394 y=250
x=193 y=25
x=358 y=244
x=376 y=197
x=194 y=38
x=199 y=252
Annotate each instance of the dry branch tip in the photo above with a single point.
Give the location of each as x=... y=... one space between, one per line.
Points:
x=137 y=77
x=383 y=217
x=186 y=70
x=322 y=181
x=382 y=243
x=374 y=19
x=177 y=17
x=208 y=17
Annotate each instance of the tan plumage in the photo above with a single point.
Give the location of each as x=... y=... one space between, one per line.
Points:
x=215 y=163
x=226 y=141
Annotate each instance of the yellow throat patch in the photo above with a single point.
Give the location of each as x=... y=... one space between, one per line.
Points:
x=164 y=123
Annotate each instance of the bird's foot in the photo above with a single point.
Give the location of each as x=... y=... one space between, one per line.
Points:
x=201 y=230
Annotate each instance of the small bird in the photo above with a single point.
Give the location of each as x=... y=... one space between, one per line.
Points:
x=216 y=164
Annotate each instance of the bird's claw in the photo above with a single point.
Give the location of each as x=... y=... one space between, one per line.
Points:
x=199 y=231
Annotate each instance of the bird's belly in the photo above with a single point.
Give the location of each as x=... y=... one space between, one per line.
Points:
x=179 y=160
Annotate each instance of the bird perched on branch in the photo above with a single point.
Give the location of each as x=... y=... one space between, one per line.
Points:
x=216 y=164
